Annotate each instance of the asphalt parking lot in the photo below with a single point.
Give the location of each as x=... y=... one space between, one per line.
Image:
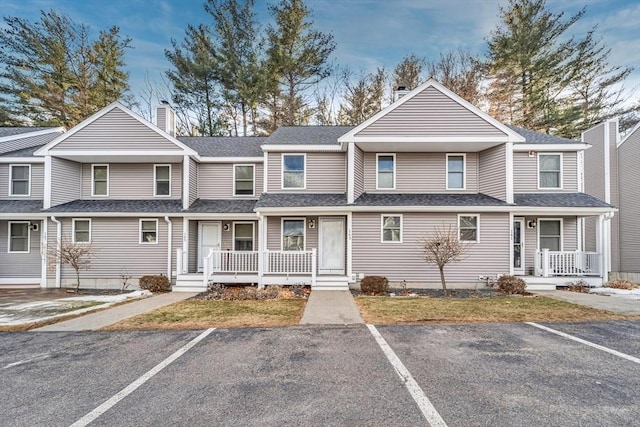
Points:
x=455 y=375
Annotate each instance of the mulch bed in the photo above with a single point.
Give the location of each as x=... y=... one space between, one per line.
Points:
x=248 y=292
x=438 y=293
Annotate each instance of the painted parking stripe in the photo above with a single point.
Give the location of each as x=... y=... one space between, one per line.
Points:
x=428 y=410
x=108 y=404
x=589 y=343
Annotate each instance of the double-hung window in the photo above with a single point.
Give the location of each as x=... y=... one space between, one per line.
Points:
x=293 y=168
x=100 y=180
x=293 y=234
x=162 y=174
x=81 y=230
x=149 y=231
x=549 y=171
x=455 y=171
x=550 y=234
x=19 y=234
x=243 y=180
x=385 y=171
x=391 y=226
x=243 y=236
x=469 y=228
x=19 y=184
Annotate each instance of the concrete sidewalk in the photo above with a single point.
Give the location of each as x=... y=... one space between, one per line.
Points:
x=331 y=308
x=609 y=303
x=100 y=319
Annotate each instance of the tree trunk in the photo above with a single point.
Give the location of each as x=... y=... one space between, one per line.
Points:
x=444 y=283
x=77 y=280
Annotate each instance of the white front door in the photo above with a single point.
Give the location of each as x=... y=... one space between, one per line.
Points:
x=332 y=246
x=208 y=238
x=518 y=246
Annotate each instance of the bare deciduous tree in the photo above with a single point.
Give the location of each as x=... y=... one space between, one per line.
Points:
x=73 y=254
x=442 y=247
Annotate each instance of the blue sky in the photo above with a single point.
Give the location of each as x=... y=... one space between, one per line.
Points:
x=368 y=33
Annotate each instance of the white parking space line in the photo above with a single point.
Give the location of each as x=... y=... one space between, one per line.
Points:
x=35 y=358
x=585 y=342
x=428 y=410
x=108 y=404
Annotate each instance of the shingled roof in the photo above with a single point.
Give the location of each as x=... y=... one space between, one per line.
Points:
x=11 y=131
x=221 y=206
x=307 y=135
x=534 y=137
x=561 y=200
x=119 y=206
x=20 y=206
x=300 y=200
x=225 y=146
x=432 y=199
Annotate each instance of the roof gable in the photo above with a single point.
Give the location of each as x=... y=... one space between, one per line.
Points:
x=431 y=112
x=115 y=128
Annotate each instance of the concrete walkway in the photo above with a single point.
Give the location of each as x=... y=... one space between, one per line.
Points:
x=100 y=319
x=601 y=302
x=331 y=308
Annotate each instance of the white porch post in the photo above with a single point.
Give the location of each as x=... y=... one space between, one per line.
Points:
x=601 y=247
x=43 y=252
x=511 y=240
x=350 y=172
x=260 y=251
x=185 y=182
x=545 y=262
x=314 y=257
x=185 y=245
x=349 y=245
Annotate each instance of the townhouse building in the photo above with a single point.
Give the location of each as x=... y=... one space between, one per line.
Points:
x=318 y=205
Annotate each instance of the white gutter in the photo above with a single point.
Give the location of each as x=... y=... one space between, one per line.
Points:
x=169 y=236
x=58 y=248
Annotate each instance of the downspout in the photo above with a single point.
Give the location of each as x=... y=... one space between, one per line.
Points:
x=58 y=248
x=169 y=245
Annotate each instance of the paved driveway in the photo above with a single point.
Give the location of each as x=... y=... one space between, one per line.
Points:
x=481 y=375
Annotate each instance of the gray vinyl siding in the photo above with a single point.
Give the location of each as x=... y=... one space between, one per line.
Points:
x=594 y=162
x=116 y=130
x=404 y=261
x=66 y=179
x=215 y=180
x=26 y=142
x=569 y=238
x=325 y=173
x=274 y=233
x=358 y=172
x=629 y=203
x=525 y=173
x=431 y=114
x=36 y=184
x=20 y=265
x=193 y=246
x=421 y=173
x=493 y=172
x=132 y=181
x=117 y=250
x=615 y=201
x=193 y=180
x=161 y=118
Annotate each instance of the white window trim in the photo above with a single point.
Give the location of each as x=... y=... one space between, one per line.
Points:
x=93 y=183
x=464 y=171
x=392 y=242
x=477 y=216
x=304 y=172
x=141 y=241
x=538 y=228
x=9 y=237
x=304 y=231
x=394 y=170
x=73 y=230
x=155 y=182
x=253 y=188
x=11 y=181
x=560 y=178
x=253 y=234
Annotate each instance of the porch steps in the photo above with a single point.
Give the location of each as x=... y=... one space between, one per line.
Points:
x=189 y=283
x=541 y=287
x=331 y=283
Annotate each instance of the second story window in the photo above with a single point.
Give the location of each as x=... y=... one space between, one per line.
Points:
x=293 y=171
x=385 y=169
x=100 y=180
x=455 y=172
x=19 y=181
x=162 y=180
x=549 y=171
x=243 y=180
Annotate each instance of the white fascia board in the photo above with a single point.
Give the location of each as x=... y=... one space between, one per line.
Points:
x=22 y=216
x=550 y=147
x=510 y=134
x=219 y=216
x=184 y=149
x=308 y=211
x=427 y=139
x=294 y=148
x=115 y=214
x=577 y=211
x=31 y=134
x=21 y=159
x=231 y=159
x=69 y=153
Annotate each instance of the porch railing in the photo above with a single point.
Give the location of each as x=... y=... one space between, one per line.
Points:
x=290 y=262
x=567 y=263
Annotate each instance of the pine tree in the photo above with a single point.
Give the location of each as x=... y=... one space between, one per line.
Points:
x=53 y=73
x=362 y=98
